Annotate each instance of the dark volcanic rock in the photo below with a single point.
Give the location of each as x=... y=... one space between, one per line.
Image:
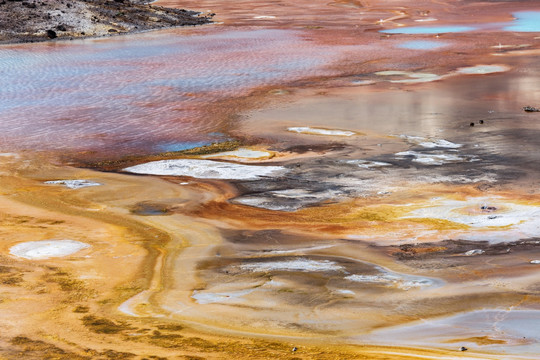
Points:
x=27 y=21
x=51 y=34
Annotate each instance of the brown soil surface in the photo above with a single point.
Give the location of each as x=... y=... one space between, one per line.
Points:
x=30 y=21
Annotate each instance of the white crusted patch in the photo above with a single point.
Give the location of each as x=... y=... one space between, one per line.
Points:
x=299 y=250
x=321 y=131
x=292 y=265
x=287 y=200
x=462 y=179
x=435 y=158
x=204 y=297
x=38 y=250
x=482 y=69
x=344 y=292
x=490 y=219
x=404 y=282
x=430 y=143
x=241 y=153
x=73 y=184
x=366 y=164
x=474 y=252
x=410 y=77
x=207 y=169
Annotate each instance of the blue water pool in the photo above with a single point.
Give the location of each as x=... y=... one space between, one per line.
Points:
x=526 y=21
x=422 y=45
x=180 y=146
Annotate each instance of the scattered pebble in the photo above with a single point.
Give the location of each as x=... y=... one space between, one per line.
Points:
x=488 y=208
x=530 y=109
x=51 y=34
x=463 y=348
x=535 y=261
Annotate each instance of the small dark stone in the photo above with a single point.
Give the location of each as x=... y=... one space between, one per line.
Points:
x=294 y=349
x=530 y=109
x=471 y=124
x=61 y=27
x=51 y=34
x=113 y=30
x=481 y=121
x=463 y=348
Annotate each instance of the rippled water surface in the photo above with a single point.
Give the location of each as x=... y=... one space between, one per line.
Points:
x=144 y=91
x=422 y=45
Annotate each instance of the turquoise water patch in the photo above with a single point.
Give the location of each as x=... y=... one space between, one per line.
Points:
x=526 y=21
x=180 y=146
x=429 y=29
x=422 y=45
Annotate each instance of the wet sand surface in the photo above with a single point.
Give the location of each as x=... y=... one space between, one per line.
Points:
x=305 y=181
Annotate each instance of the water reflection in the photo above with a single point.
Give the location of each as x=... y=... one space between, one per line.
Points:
x=526 y=21
x=140 y=91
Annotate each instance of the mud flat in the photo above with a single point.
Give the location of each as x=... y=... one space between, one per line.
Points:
x=102 y=300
